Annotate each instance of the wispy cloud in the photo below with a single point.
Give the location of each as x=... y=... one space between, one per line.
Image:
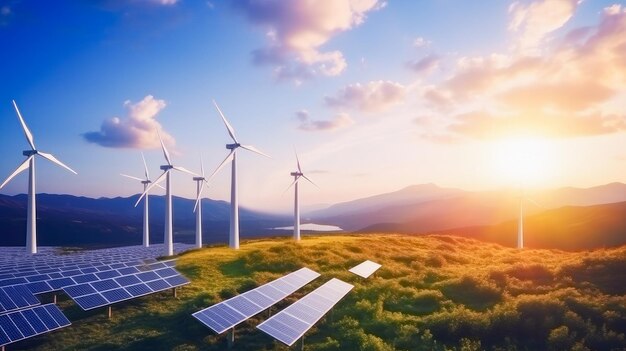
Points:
x=571 y=87
x=297 y=29
x=308 y=124
x=137 y=130
x=373 y=96
x=426 y=64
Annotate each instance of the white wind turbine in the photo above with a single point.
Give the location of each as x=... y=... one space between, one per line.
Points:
x=31 y=210
x=296 y=204
x=145 y=182
x=233 y=241
x=168 y=234
x=200 y=182
x=520 y=220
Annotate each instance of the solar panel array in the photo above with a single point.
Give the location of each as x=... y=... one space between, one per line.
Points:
x=365 y=268
x=118 y=287
x=227 y=314
x=290 y=324
x=113 y=275
x=26 y=323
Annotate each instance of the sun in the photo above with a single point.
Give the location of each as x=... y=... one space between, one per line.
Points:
x=523 y=160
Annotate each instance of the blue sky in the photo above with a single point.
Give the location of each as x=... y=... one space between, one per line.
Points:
x=374 y=95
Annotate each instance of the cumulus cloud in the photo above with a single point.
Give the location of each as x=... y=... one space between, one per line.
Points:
x=533 y=21
x=574 y=88
x=373 y=96
x=297 y=29
x=137 y=130
x=420 y=42
x=308 y=124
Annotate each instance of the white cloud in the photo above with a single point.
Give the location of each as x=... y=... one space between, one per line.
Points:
x=297 y=29
x=373 y=96
x=137 y=130
x=340 y=120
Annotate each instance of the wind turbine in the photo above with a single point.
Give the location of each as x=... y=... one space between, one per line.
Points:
x=31 y=211
x=520 y=220
x=296 y=204
x=168 y=234
x=200 y=182
x=233 y=241
x=145 y=182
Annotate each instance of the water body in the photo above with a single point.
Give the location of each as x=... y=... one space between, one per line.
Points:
x=314 y=227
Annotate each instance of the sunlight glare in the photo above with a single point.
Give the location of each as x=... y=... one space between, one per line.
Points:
x=526 y=161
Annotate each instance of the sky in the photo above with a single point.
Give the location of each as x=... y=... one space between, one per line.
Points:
x=374 y=95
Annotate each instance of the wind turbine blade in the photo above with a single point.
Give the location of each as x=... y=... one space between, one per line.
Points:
x=292 y=184
x=254 y=149
x=152 y=185
x=53 y=159
x=534 y=202
x=145 y=166
x=231 y=130
x=310 y=181
x=181 y=169
x=198 y=198
x=160 y=186
x=27 y=133
x=297 y=160
x=131 y=177
x=17 y=171
x=226 y=160
x=202 y=166
x=165 y=153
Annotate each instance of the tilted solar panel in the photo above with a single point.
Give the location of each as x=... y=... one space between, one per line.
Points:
x=290 y=324
x=16 y=297
x=365 y=268
x=227 y=314
x=26 y=323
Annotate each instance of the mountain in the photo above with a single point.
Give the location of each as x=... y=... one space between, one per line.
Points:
x=430 y=208
x=73 y=220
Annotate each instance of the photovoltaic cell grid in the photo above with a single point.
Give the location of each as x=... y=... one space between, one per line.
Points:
x=26 y=323
x=227 y=314
x=365 y=268
x=98 y=293
x=16 y=297
x=291 y=323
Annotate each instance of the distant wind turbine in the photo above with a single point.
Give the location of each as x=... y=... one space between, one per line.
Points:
x=145 y=182
x=31 y=222
x=296 y=204
x=168 y=234
x=233 y=241
x=520 y=220
x=200 y=182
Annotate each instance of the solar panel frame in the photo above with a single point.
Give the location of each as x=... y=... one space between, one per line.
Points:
x=23 y=324
x=294 y=321
x=229 y=313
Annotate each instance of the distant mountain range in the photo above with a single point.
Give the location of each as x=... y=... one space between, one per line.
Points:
x=72 y=220
x=567 y=218
x=487 y=215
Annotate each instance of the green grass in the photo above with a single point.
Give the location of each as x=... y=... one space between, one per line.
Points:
x=432 y=293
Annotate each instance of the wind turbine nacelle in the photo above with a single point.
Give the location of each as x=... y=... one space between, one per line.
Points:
x=29 y=153
x=232 y=146
x=296 y=174
x=147 y=181
x=166 y=167
x=197 y=179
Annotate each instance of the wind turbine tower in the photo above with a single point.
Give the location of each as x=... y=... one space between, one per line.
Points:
x=233 y=241
x=296 y=203
x=146 y=182
x=168 y=237
x=200 y=182
x=31 y=210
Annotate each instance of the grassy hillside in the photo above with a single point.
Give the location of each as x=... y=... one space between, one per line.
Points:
x=433 y=293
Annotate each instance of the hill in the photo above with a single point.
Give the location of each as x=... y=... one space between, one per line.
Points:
x=428 y=208
x=80 y=221
x=432 y=293
x=566 y=228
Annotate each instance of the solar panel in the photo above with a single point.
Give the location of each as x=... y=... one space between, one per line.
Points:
x=227 y=314
x=365 y=268
x=16 y=297
x=23 y=324
x=290 y=324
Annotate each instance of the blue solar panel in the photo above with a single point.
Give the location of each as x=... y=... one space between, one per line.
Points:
x=85 y=278
x=88 y=302
x=128 y=270
x=34 y=321
x=79 y=290
x=138 y=290
x=128 y=280
x=9 y=328
x=60 y=283
x=158 y=285
x=166 y=272
x=177 y=280
x=21 y=324
x=13 y=281
x=291 y=323
x=108 y=274
x=227 y=314
x=116 y=295
x=4 y=338
x=147 y=276
x=104 y=285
